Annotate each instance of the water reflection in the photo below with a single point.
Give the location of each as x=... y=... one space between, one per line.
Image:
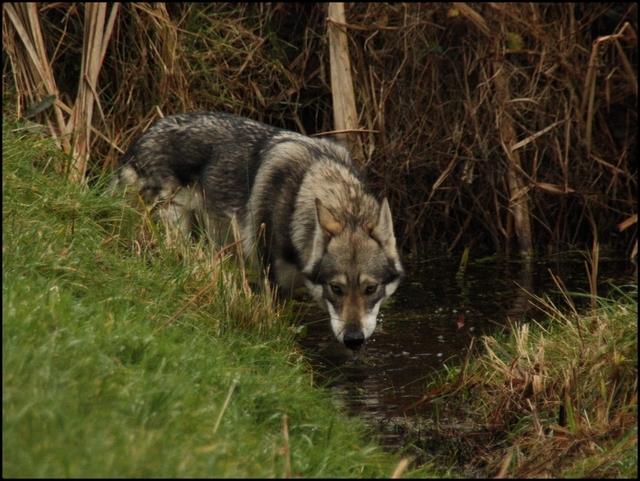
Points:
x=430 y=321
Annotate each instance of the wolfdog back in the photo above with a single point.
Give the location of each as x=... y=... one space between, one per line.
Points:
x=299 y=203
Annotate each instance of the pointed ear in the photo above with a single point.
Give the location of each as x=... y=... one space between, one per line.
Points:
x=383 y=230
x=326 y=227
x=327 y=220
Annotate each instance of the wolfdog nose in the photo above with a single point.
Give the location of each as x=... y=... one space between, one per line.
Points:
x=353 y=340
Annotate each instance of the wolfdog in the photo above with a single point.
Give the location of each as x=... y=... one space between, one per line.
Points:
x=299 y=204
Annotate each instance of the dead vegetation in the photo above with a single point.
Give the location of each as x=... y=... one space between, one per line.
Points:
x=567 y=394
x=551 y=400
x=491 y=126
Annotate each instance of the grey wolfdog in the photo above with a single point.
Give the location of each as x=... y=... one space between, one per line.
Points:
x=299 y=204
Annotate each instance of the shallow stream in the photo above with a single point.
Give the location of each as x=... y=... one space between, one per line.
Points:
x=430 y=321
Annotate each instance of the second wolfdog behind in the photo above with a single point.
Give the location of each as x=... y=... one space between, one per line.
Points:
x=321 y=228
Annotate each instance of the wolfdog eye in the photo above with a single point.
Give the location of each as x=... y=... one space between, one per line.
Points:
x=370 y=289
x=335 y=288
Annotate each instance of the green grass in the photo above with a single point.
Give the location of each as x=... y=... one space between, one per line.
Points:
x=93 y=387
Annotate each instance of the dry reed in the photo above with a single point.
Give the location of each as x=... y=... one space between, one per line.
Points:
x=491 y=126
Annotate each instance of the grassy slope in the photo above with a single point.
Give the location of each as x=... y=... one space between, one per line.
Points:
x=92 y=388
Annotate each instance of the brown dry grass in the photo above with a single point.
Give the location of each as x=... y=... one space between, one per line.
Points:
x=489 y=126
x=556 y=399
x=467 y=88
x=566 y=393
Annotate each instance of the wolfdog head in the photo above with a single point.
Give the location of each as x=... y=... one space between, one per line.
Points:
x=354 y=268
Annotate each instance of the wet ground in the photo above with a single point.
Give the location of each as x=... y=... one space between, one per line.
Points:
x=428 y=323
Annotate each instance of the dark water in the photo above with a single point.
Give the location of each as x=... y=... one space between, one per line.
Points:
x=430 y=321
